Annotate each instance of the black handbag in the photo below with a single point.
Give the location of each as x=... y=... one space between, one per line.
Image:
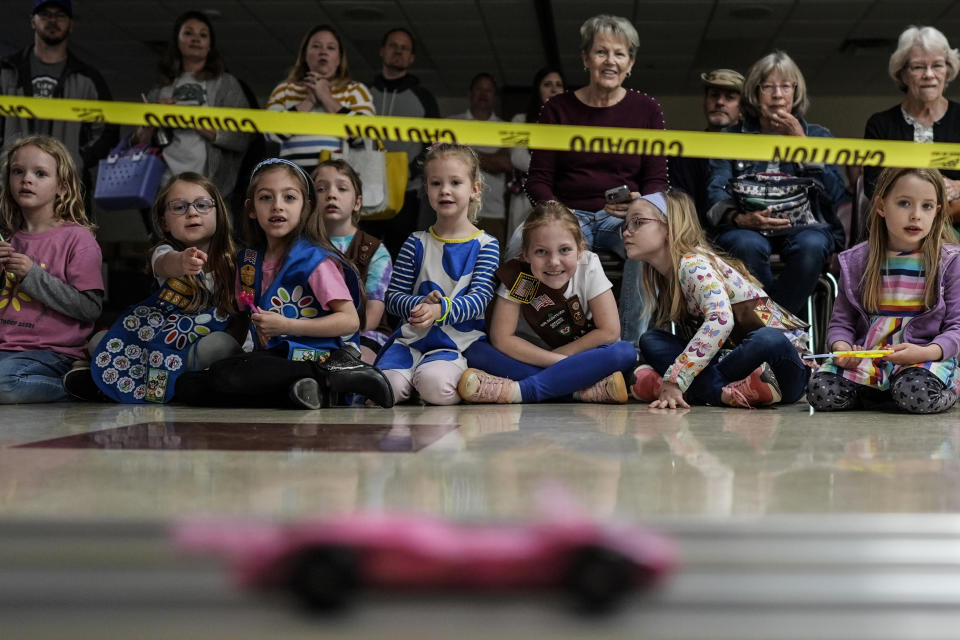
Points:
x=786 y=197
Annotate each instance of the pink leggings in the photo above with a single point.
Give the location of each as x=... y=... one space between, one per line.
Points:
x=435 y=381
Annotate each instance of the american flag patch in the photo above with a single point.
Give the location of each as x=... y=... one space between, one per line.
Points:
x=524 y=288
x=541 y=302
x=249 y=255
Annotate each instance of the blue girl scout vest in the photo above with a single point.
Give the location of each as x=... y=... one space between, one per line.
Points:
x=145 y=351
x=556 y=319
x=290 y=295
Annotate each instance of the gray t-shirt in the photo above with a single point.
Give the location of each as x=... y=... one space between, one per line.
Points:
x=45 y=76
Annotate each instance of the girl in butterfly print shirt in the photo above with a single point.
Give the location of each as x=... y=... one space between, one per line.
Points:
x=692 y=281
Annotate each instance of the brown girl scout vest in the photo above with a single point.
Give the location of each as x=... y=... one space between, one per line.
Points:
x=360 y=252
x=556 y=319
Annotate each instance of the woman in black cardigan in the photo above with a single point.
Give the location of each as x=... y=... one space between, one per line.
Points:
x=922 y=67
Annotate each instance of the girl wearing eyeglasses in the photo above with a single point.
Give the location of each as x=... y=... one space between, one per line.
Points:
x=556 y=317
x=190 y=322
x=687 y=282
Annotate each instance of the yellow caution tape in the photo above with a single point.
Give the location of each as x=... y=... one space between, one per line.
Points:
x=670 y=143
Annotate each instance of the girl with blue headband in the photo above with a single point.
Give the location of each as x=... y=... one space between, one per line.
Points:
x=305 y=301
x=687 y=282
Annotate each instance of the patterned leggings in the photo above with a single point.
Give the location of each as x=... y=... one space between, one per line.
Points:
x=914 y=390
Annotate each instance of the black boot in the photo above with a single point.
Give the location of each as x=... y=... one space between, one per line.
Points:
x=347 y=373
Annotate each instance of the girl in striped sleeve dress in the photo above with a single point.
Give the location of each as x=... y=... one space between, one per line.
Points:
x=899 y=290
x=442 y=281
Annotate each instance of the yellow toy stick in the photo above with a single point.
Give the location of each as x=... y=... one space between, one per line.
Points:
x=870 y=353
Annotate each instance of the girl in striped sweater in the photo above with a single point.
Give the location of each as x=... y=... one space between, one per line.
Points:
x=899 y=290
x=442 y=283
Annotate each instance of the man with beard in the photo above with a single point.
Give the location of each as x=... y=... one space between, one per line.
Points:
x=396 y=92
x=721 y=107
x=47 y=69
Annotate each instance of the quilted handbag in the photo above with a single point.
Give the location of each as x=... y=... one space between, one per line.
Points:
x=787 y=197
x=128 y=178
x=383 y=174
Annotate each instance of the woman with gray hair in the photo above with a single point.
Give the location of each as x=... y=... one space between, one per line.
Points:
x=922 y=67
x=580 y=179
x=774 y=103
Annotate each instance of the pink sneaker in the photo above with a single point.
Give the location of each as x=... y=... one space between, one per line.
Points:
x=758 y=389
x=646 y=385
x=478 y=387
x=610 y=390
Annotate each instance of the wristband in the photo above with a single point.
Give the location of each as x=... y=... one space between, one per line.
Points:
x=445 y=312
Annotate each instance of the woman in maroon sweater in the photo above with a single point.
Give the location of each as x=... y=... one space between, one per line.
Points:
x=579 y=179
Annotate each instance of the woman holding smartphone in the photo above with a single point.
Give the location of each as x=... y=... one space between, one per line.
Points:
x=599 y=185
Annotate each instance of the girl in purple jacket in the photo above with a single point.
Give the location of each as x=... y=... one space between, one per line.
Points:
x=899 y=290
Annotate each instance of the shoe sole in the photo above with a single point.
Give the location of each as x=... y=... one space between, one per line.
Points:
x=306 y=393
x=633 y=393
x=462 y=385
x=618 y=392
x=768 y=378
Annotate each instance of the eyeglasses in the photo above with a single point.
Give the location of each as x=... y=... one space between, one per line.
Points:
x=918 y=68
x=786 y=87
x=53 y=15
x=633 y=224
x=202 y=206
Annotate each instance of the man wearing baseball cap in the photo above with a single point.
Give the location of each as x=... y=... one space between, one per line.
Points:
x=721 y=108
x=47 y=69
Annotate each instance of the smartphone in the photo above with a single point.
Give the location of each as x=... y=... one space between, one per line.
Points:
x=617 y=194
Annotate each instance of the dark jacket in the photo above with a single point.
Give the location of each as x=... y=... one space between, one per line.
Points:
x=87 y=142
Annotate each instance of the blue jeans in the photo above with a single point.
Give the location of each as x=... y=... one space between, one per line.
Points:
x=33 y=376
x=661 y=348
x=803 y=255
x=602 y=231
x=559 y=380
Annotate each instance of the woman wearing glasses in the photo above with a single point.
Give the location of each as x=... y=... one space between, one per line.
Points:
x=774 y=103
x=922 y=67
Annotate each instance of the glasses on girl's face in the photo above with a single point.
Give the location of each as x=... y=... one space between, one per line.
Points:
x=202 y=206
x=633 y=224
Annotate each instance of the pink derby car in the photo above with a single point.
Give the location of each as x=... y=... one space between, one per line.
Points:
x=324 y=561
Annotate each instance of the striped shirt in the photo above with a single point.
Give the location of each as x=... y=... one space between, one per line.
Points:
x=902 y=280
x=901 y=284
x=305 y=149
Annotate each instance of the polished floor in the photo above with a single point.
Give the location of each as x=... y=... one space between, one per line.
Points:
x=789 y=523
